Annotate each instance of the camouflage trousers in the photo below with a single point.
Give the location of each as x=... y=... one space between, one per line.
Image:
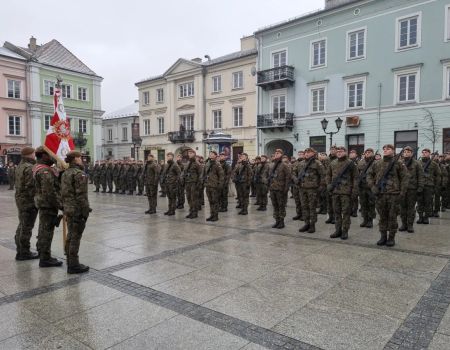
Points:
x=367 y=200
x=131 y=185
x=243 y=193
x=278 y=199
x=342 y=205
x=223 y=197
x=140 y=186
x=110 y=184
x=76 y=225
x=27 y=218
x=180 y=195
x=309 y=197
x=329 y=200
x=296 y=192
x=97 y=183
x=116 y=183
x=152 y=196
x=425 y=202
x=172 y=197
x=261 y=194
x=47 y=224
x=123 y=184
x=355 y=203
x=387 y=207
x=446 y=196
x=408 y=208
x=201 y=196
x=104 y=184
x=11 y=182
x=437 y=199
x=213 y=198
x=192 y=196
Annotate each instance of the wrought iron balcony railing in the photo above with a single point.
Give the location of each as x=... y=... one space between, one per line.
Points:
x=276 y=120
x=276 y=78
x=185 y=136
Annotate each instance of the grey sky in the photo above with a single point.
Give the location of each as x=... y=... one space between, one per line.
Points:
x=126 y=41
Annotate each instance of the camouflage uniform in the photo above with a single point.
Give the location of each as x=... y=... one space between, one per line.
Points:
x=310 y=179
x=415 y=186
x=180 y=187
x=109 y=176
x=11 y=176
x=296 y=190
x=201 y=189
x=151 y=179
x=131 y=178
x=446 y=186
x=48 y=200
x=96 y=177
x=329 y=197
x=388 y=200
x=432 y=178
x=439 y=190
x=223 y=193
x=242 y=178
x=74 y=187
x=342 y=193
x=140 y=178
x=123 y=178
x=171 y=178
x=192 y=175
x=279 y=182
x=213 y=179
x=261 y=180
x=115 y=174
x=323 y=197
x=366 y=197
x=25 y=190
x=103 y=177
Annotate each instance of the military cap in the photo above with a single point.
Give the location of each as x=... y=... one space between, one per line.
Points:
x=353 y=151
x=426 y=150
x=279 y=150
x=221 y=153
x=212 y=151
x=26 y=151
x=369 y=150
x=340 y=148
x=408 y=148
x=310 y=149
x=245 y=154
x=391 y=146
x=190 y=150
x=40 y=150
x=333 y=147
x=263 y=155
x=257 y=158
x=73 y=154
x=170 y=154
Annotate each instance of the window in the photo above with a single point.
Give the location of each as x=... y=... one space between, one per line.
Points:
x=318 y=53
x=161 y=125
x=446 y=140
x=66 y=91
x=405 y=138
x=279 y=59
x=237 y=116
x=82 y=93
x=217 y=119
x=47 y=121
x=318 y=100
x=14 y=125
x=49 y=87
x=159 y=95
x=447 y=23
x=356 y=44
x=407 y=87
x=446 y=81
x=187 y=120
x=13 y=88
x=408 y=32
x=279 y=106
x=110 y=135
x=355 y=95
x=146 y=126
x=186 y=90
x=217 y=83
x=319 y=143
x=356 y=142
x=82 y=126
x=124 y=134
x=238 y=80
x=146 y=97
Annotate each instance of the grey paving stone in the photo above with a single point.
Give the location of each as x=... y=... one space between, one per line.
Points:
x=440 y=342
x=444 y=326
x=15 y=319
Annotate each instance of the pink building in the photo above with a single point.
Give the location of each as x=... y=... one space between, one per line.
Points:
x=15 y=123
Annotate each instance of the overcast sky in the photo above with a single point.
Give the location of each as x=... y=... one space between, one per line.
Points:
x=126 y=41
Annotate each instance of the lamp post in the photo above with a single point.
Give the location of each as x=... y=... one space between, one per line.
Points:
x=324 y=123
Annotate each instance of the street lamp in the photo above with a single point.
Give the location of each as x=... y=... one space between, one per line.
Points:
x=324 y=123
x=137 y=142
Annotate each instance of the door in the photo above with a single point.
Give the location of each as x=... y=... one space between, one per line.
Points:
x=406 y=138
x=356 y=142
x=236 y=151
x=161 y=155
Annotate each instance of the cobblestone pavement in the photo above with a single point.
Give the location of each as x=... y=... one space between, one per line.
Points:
x=160 y=283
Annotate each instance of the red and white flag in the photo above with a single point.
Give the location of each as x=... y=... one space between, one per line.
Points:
x=58 y=140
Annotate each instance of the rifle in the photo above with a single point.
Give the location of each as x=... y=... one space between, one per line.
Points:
x=337 y=180
x=381 y=185
x=362 y=177
x=272 y=173
x=302 y=175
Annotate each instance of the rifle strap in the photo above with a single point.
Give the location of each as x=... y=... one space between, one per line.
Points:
x=272 y=173
x=427 y=166
x=387 y=171
x=302 y=174
x=342 y=173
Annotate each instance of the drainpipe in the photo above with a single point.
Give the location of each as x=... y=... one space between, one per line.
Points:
x=258 y=96
x=204 y=108
x=380 y=86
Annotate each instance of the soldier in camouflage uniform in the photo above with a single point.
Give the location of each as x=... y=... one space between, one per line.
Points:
x=415 y=186
x=171 y=178
x=342 y=180
x=25 y=190
x=390 y=188
x=151 y=180
x=323 y=158
x=242 y=178
x=201 y=189
x=140 y=177
x=180 y=185
x=11 y=175
x=48 y=201
x=131 y=177
x=261 y=178
x=310 y=179
x=102 y=171
x=96 y=176
x=432 y=178
x=366 y=196
x=192 y=179
x=446 y=185
x=213 y=179
x=75 y=201
x=353 y=156
x=296 y=188
x=116 y=170
x=328 y=195
x=279 y=182
x=123 y=177
x=253 y=164
x=109 y=175
x=439 y=190
x=223 y=193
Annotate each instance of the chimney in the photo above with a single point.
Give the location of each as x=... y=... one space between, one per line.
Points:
x=197 y=60
x=32 y=45
x=248 y=43
x=329 y=4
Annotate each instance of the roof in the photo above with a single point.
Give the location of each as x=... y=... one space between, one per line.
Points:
x=305 y=16
x=124 y=112
x=8 y=53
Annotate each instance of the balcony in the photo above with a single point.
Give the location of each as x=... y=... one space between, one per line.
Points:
x=274 y=121
x=276 y=78
x=185 y=136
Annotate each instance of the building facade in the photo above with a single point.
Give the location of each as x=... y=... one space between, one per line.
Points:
x=81 y=90
x=117 y=126
x=15 y=130
x=193 y=98
x=383 y=67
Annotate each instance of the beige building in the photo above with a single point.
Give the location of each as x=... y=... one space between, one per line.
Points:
x=194 y=99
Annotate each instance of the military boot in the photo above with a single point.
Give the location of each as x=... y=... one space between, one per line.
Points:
x=364 y=223
x=215 y=218
x=410 y=228
x=383 y=238
x=26 y=256
x=336 y=234
x=297 y=217
x=189 y=216
x=436 y=214
x=263 y=208
x=194 y=216
x=369 y=223
x=167 y=212
x=312 y=227
x=238 y=206
x=171 y=213
x=209 y=219
x=355 y=213
x=344 y=235
x=305 y=227
x=50 y=262
x=275 y=225
x=403 y=227
x=426 y=221
x=280 y=224
x=74 y=266
x=391 y=239
x=243 y=212
x=329 y=220
x=420 y=220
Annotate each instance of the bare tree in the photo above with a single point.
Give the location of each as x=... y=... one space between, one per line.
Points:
x=431 y=131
